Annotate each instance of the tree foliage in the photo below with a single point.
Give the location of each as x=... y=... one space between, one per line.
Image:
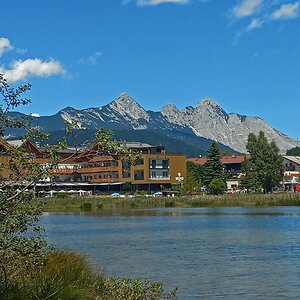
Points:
x=264 y=169
x=22 y=245
x=23 y=248
x=194 y=176
x=213 y=167
x=216 y=187
x=294 y=151
x=10 y=99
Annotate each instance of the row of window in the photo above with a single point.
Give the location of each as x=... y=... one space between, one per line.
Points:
x=102 y=176
x=159 y=174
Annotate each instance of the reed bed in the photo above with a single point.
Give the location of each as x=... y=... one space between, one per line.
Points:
x=102 y=203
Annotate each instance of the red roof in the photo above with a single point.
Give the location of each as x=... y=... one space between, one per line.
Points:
x=225 y=160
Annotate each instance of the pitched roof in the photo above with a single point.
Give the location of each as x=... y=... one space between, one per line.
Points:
x=225 y=160
x=294 y=159
x=15 y=143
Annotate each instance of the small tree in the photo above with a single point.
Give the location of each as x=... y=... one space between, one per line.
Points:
x=193 y=178
x=216 y=187
x=19 y=210
x=264 y=169
x=213 y=167
x=20 y=252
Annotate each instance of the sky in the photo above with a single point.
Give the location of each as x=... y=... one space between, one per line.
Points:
x=244 y=54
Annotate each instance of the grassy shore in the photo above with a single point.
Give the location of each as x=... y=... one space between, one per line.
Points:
x=67 y=275
x=102 y=203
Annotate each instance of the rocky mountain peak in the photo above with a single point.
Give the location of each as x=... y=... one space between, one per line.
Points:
x=124 y=99
x=212 y=106
x=128 y=107
x=208 y=102
x=208 y=119
x=169 y=109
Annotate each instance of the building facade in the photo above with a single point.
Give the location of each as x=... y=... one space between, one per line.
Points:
x=152 y=171
x=92 y=170
x=291 y=165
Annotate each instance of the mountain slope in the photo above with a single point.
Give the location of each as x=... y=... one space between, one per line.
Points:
x=207 y=119
x=175 y=142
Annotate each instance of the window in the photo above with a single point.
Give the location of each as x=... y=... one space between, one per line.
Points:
x=139 y=162
x=165 y=164
x=139 y=175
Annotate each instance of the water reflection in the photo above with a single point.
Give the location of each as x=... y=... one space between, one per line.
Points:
x=208 y=253
x=173 y=212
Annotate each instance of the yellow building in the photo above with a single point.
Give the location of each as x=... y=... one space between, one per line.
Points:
x=155 y=169
x=92 y=171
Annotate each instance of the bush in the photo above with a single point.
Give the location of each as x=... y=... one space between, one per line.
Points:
x=68 y=276
x=124 y=288
x=216 y=187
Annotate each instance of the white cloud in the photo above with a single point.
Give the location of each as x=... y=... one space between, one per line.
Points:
x=247 y=8
x=157 y=2
x=21 y=69
x=5 y=45
x=286 y=11
x=254 y=24
x=91 y=60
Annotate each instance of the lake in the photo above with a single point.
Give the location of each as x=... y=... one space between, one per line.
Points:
x=208 y=253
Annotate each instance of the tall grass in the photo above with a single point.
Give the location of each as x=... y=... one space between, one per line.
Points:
x=68 y=276
x=98 y=203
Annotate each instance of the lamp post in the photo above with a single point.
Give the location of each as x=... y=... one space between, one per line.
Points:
x=179 y=178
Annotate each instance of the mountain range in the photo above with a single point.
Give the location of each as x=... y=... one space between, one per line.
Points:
x=192 y=126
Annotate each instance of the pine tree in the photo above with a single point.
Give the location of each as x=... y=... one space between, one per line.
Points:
x=213 y=168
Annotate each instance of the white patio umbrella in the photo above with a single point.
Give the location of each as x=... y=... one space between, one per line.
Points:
x=72 y=191
x=81 y=192
x=52 y=192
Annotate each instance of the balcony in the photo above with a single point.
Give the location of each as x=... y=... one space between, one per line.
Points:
x=64 y=171
x=290 y=168
x=159 y=167
x=98 y=169
x=160 y=178
x=105 y=180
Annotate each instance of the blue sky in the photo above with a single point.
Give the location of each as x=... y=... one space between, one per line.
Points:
x=245 y=54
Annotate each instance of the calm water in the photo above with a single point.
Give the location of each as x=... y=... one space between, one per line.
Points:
x=222 y=253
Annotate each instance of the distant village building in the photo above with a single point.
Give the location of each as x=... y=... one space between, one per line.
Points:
x=232 y=167
x=291 y=166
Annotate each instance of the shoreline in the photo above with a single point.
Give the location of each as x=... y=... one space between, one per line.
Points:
x=100 y=203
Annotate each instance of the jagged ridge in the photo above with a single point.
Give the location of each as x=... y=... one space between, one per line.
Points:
x=207 y=119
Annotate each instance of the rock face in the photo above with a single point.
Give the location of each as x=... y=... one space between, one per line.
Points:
x=207 y=119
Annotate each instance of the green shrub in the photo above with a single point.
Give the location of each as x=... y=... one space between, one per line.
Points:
x=216 y=187
x=124 y=288
x=68 y=276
